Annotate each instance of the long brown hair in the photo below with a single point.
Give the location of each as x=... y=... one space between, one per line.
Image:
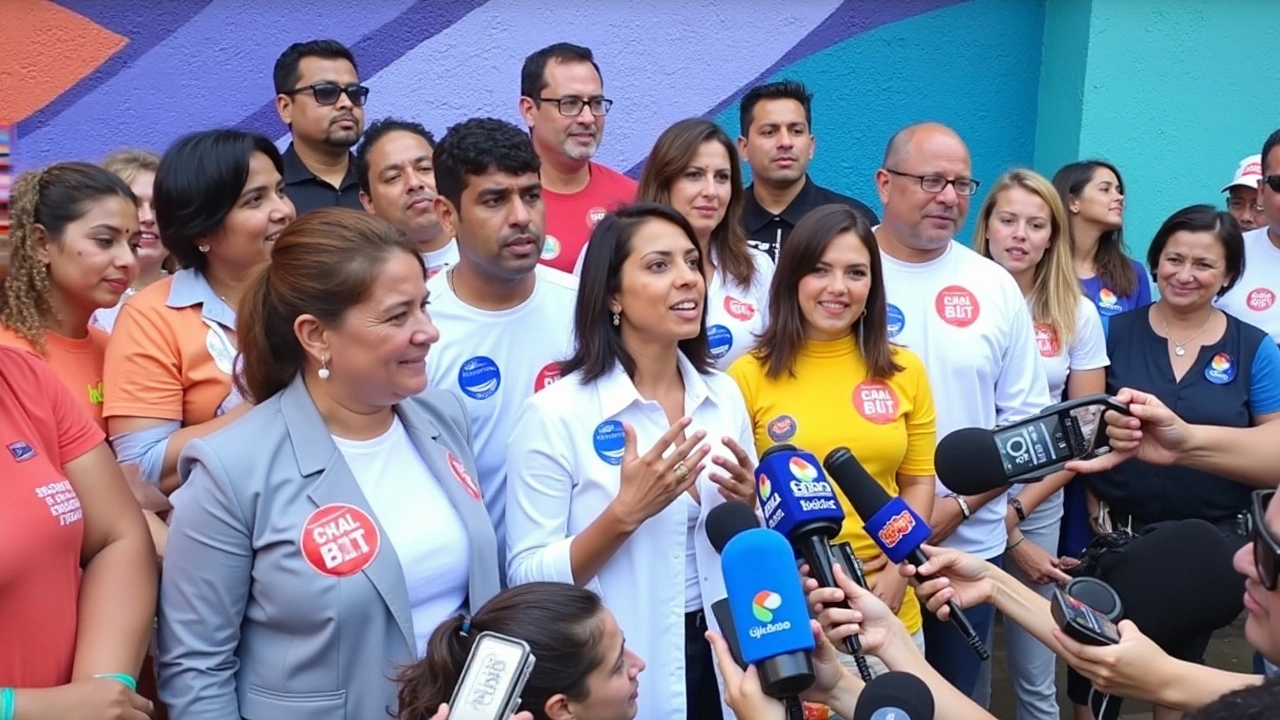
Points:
x=670 y=158
x=561 y=623
x=323 y=264
x=783 y=338
x=1111 y=259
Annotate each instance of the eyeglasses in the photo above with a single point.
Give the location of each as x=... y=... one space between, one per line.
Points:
x=1266 y=551
x=327 y=93
x=572 y=106
x=1272 y=181
x=937 y=183
x=1239 y=204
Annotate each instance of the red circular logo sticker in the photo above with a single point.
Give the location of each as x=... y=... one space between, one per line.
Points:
x=595 y=215
x=339 y=540
x=547 y=377
x=1047 y=341
x=460 y=472
x=740 y=310
x=1261 y=299
x=956 y=306
x=876 y=402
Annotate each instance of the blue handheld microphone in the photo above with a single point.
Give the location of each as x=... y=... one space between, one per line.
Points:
x=892 y=524
x=769 y=609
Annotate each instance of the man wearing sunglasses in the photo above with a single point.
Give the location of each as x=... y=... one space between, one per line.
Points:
x=1254 y=298
x=320 y=98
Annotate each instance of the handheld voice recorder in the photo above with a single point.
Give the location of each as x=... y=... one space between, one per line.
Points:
x=1038 y=446
x=1081 y=622
x=492 y=679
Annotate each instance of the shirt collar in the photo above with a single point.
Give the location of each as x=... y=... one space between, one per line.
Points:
x=190 y=288
x=617 y=392
x=295 y=171
x=755 y=217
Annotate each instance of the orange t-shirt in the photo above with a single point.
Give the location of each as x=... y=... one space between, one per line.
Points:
x=42 y=428
x=572 y=217
x=160 y=362
x=78 y=363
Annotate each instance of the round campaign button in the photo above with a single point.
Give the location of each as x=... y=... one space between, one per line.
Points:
x=595 y=215
x=550 y=248
x=1047 y=340
x=460 y=473
x=782 y=428
x=339 y=540
x=876 y=402
x=1220 y=370
x=1107 y=302
x=1261 y=299
x=609 y=441
x=956 y=306
x=897 y=320
x=547 y=376
x=739 y=309
x=479 y=377
x=719 y=340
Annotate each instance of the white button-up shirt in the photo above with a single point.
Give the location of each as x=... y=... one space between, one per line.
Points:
x=563 y=469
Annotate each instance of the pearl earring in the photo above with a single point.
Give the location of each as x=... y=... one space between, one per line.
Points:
x=204 y=248
x=616 y=320
x=324 y=370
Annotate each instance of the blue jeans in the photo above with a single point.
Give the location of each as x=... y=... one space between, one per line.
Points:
x=951 y=655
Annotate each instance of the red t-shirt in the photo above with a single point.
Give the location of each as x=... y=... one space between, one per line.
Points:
x=570 y=218
x=43 y=426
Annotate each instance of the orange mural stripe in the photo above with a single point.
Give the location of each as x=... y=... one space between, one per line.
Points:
x=45 y=50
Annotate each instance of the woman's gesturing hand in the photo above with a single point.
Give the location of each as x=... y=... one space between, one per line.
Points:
x=650 y=482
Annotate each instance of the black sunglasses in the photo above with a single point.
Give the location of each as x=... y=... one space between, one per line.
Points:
x=1273 y=182
x=327 y=93
x=1266 y=551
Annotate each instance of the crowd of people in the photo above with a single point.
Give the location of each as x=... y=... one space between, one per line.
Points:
x=306 y=423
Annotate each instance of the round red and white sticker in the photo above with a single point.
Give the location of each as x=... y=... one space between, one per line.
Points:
x=1047 y=341
x=339 y=540
x=956 y=306
x=739 y=309
x=547 y=377
x=595 y=215
x=1261 y=299
x=876 y=402
x=460 y=472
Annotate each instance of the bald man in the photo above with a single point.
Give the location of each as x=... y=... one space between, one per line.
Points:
x=966 y=318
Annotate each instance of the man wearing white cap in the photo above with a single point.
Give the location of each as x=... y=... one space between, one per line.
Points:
x=1253 y=298
x=1243 y=201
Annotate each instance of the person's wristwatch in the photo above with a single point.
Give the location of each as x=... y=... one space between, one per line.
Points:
x=1017 y=508
x=964 y=506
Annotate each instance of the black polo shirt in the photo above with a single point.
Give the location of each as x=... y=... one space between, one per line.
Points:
x=307 y=191
x=766 y=232
x=1229 y=381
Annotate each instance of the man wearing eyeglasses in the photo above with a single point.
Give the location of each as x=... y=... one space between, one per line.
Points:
x=1253 y=297
x=320 y=98
x=562 y=101
x=966 y=318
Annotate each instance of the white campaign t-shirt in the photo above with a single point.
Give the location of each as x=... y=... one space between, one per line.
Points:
x=736 y=315
x=441 y=259
x=967 y=320
x=1088 y=351
x=1253 y=298
x=496 y=360
x=435 y=555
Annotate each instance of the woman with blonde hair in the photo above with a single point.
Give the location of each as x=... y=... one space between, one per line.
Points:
x=138 y=169
x=1023 y=227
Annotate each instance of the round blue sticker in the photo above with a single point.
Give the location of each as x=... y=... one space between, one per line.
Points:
x=890 y=713
x=609 y=441
x=720 y=340
x=479 y=377
x=1108 y=303
x=896 y=320
x=1220 y=370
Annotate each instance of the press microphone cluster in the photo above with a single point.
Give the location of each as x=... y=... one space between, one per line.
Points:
x=892 y=524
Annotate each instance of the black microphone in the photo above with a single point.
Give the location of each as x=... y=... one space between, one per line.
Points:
x=971 y=461
x=893 y=525
x=895 y=696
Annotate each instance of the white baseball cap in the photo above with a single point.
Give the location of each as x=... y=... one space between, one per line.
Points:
x=1248 y=173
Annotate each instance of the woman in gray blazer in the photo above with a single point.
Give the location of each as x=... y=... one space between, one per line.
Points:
x=318 y=540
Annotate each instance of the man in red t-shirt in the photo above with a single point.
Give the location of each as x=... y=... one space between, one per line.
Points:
x=562 y=100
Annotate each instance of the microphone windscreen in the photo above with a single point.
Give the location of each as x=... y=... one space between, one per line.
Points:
x=863 y=492
x=896 y=695
x=728 y=519
x=968 y=462
x=1176 y=581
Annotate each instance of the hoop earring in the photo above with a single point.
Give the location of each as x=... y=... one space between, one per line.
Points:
x=616 y=320
x=324 y=370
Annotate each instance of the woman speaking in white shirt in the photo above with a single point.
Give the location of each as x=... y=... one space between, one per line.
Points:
x=594 y=497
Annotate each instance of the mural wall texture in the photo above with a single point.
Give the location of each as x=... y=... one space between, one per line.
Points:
x=92 y=75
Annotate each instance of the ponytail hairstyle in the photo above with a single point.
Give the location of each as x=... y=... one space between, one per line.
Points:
x=323 y=264
x=561 y=623
x=45 y=202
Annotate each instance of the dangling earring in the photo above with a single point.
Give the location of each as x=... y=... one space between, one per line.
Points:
x=616 y=320
x=203 y=248
x=862 y=322
x=324 y=370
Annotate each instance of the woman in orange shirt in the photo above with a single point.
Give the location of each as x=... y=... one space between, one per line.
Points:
x=73 y=238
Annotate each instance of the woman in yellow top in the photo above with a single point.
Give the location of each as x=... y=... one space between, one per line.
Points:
x=824 y=375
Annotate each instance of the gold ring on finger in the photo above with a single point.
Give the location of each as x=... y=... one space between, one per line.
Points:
x=682 y=472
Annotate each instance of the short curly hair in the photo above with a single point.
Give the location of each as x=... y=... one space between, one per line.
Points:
x=51 y=198
x=476 y=146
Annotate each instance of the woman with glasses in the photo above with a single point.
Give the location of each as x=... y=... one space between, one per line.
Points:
x=694 y=168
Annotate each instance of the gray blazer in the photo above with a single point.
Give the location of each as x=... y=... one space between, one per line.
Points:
x=248 y=626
